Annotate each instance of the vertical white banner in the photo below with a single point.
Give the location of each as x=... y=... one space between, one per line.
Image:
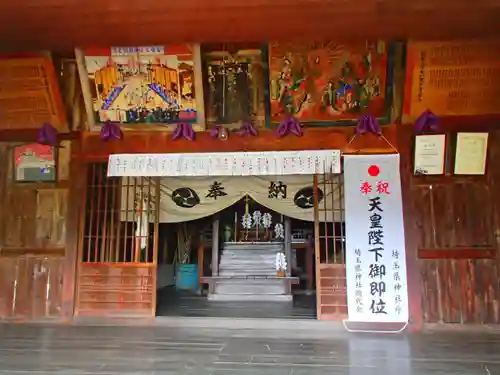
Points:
x=375 y=242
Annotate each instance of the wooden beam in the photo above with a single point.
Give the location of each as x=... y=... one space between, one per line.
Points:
x=86 y=90
x=68 y=24
x=30 y=135
x=313 y=139
x=458 y=253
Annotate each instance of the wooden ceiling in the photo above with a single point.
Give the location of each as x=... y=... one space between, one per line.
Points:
x=64 y=24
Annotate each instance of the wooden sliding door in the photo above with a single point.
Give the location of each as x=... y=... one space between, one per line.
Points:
x=329 y=233
x=118 y=247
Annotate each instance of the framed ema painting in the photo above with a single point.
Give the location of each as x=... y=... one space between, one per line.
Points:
x=325 y=83
x=34 y=163
x=143 y=85
x=235 y=83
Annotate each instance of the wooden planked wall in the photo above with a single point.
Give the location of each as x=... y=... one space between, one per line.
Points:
x=32 y=241
x=452 y=232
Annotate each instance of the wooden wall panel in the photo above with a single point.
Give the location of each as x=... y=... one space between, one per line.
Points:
x=30 y=287
x=333 y=293
x=454 y=215
x=32 y=242
x=51 y=208
x=115 y=289
x=452 y=227
x=460 y=291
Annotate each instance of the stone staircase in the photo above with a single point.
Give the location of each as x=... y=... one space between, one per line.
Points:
x=247 y=272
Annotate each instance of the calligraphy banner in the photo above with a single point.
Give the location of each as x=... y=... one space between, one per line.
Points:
x=453 y=78
x=276 y=163
x=190 y=198
x=375 y=241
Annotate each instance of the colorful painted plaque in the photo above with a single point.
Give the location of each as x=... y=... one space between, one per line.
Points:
x=34 y=163
x=453 y=78
x=328 y=82
x=143 y=84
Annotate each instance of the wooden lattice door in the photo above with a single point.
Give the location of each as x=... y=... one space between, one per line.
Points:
x=118 y=247
x=329 y=238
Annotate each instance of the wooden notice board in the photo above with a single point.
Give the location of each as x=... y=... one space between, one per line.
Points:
x=453 y=78
x=29 y=94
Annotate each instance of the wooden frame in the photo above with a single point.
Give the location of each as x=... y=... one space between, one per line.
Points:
x=87 y=96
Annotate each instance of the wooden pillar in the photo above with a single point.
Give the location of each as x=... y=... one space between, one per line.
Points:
x=215 y=247
x=310 y=263
x=288 y=245
x=201 y=256
x=74 y=226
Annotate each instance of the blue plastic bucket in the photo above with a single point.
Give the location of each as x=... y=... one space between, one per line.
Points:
x=187 y=277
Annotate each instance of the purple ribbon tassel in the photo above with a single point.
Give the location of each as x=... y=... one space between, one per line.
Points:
x=289 y=125
x=248 y=129
x=47 y=135
x=215 y=131
x=184 y=130
x=368 y=124
x=427 y=121
x=111 y=131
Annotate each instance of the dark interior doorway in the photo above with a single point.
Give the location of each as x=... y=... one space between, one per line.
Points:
x=194 y=303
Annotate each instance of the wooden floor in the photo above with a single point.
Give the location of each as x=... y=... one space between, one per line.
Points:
x=106 y=350
x=174 y=303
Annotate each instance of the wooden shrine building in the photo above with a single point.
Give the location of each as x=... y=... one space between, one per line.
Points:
x=140 y=164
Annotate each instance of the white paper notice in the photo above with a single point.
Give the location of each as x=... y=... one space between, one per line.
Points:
x=429 y=154
x=470 y=157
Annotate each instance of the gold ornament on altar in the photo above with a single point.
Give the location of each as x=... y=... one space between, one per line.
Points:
x=219 y=132
x=223 y=134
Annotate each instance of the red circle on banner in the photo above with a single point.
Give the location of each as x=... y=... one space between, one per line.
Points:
x=373 y=170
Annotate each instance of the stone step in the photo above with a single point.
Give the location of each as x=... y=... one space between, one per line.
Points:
x=249 y=253
x=248 y=265
x=248 y=259
x=250 y=290
x=254 y=266
x=282 y=298
x=250 y=286
x=247 y=273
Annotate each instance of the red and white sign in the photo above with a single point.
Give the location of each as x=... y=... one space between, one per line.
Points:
x=375 y=246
